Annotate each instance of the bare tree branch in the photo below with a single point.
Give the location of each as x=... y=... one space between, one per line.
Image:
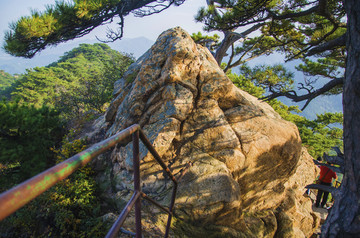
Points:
x=338 y=42
x=231 y=58
x=241 y=60
x=309 y=96
x=294 y=14
x=333 y=168
x=230 y=38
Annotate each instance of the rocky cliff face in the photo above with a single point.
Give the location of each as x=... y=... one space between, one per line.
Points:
x=246 y=167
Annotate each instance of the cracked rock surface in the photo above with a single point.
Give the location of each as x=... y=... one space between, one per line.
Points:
x=246 y=166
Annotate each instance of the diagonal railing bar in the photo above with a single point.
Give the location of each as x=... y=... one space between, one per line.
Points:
x=17 y=197
x=114 y=230
x=167 y=170
x=143 y=195
x=156 y=155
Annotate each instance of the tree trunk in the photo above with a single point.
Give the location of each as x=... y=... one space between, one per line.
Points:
x=344 y=218
x=228 y=40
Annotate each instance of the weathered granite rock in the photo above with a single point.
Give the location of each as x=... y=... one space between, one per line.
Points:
x=247 y=167
x=294 y=211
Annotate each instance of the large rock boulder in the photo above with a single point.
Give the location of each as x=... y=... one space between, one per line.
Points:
x=246 y=169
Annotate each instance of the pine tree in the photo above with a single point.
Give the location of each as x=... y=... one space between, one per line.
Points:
x=297 y=28
x=67 y=20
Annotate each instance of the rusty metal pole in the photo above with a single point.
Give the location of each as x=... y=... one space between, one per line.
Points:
x=137 y=188
x=171 y=208
x=114 y=230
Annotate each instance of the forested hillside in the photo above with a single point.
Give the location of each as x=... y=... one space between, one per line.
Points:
x=6 y=80
x=40 y=116
x=15 y=65
x=82 y=80
x=72 y=89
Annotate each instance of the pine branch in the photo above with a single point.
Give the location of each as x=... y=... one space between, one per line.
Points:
x=18 y=42
x=231 y=37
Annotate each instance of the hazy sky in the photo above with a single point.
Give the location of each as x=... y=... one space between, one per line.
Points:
x=149 y=27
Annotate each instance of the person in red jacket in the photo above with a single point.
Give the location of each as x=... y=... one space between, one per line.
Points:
x=326 y=176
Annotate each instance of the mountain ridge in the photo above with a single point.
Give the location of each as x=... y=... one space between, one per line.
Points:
x=15 y=65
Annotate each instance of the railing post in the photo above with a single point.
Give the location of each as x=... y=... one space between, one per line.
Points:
x=171 y=208
x=137 y=188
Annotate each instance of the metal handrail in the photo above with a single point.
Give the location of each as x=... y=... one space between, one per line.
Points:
x=17 y=197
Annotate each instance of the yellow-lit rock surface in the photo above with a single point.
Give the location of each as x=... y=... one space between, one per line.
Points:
x=247 y=166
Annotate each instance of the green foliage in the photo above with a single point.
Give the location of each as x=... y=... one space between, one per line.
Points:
x=296 y=29
x=269 y=77
x=318 y=135
x=226 y=14
x=246 y=85
x=199 y=36
x=321 y=134
x=27 y=135
x=69 y=209
x=81 y=81
x=331 y=67
x=39 y=86
x=6 y=82
x=60 y=22
x=96 y=52
x=77 y=86
x=67 y=20
x=205 y=40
